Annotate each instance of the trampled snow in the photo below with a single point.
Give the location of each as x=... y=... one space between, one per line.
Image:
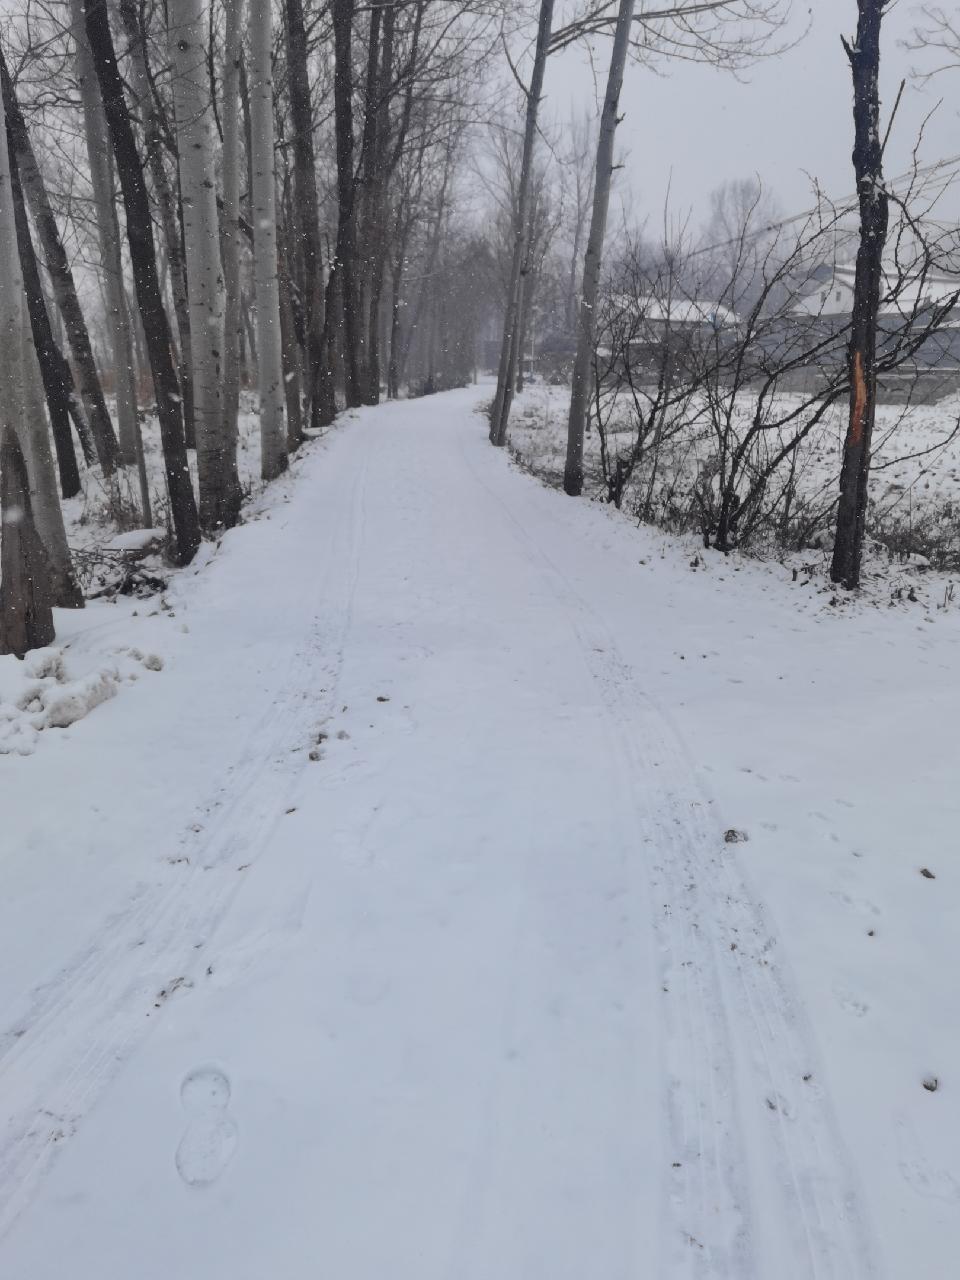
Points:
x=385 y=924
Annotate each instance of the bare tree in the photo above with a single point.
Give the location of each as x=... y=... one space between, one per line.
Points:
x=111 y=258
x=573 y=471
x=230 y=218
x=61 y=276
x=342 y=283
x=216 y=449
x=57 y=378
x=44 y=499
x=273 y=443
x=156 y=326
x=156 y=142
x=724 y=33
x=26 y=619
x=577 y=163
x=306 y=217
x=864 y=56
x=506 y=373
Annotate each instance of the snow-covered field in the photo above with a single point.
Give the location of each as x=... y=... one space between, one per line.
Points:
x=915 y=477
x=471 y=884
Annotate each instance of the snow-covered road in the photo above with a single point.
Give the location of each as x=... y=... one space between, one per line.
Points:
x=389 y=931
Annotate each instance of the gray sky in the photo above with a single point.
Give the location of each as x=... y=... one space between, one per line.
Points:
x=692 y=127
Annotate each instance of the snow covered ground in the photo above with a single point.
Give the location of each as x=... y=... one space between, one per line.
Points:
x=915 y=479
x=472 y=885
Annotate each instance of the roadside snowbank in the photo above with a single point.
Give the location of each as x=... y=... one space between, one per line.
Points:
x=40 y=692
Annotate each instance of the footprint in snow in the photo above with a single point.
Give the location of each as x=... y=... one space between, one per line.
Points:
x=918 y=1173
x=849 y=1002
x=210 y=1139
x=860 y=905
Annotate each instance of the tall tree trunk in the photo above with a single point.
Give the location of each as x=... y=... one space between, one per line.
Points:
x=864 y=56
x=26 y=615
x=343 y=275
x=375 y=237
x=580 y=392
x=506 y=373
x=216 y=451
x=523 y=323
x=396 y=304
x=365 y=211
x=403 y=221
x=273 y=443
x=26 y=595
x=144 y=378
x=292 y=385
x=44 y=498
x=53 y=367
x=156 y=327
x=230 y=219
x=61 y=277
x=306 y=218
x=154 y=131
x=108 y=231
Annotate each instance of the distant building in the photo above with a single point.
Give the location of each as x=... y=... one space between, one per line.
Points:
x=829 y=295
x=657 y=315
x=826 y=304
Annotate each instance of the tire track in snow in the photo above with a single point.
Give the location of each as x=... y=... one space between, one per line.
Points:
x=718 y=968
x=82 y=1026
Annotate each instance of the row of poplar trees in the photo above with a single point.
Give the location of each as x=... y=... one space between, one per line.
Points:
x=294 y=140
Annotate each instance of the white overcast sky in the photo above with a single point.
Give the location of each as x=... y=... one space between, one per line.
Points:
x=693 y=126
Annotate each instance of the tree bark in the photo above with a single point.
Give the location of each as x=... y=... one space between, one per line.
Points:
x=506 y=373
x=26 y=614
x=61 y=277
x=53 y=367
x=292 y=383
x=216 y=451
x=27 y=592
x=306 y=219
x=396 y=302
x=580 y=391
x=108 y=231
x=25 y=398
x=45 y=506
x=343 y=275
x=156 y=327
x=154 y=130
x=230 y=219
x=864 y=56
x=365 y=206
x=273 y=443
x=379 y=168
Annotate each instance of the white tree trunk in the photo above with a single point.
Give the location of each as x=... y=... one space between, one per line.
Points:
x=273 y=458
x=500 y=413
x=580 y=392
x=216 y=453
x=21 y=400
x=230 y=217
